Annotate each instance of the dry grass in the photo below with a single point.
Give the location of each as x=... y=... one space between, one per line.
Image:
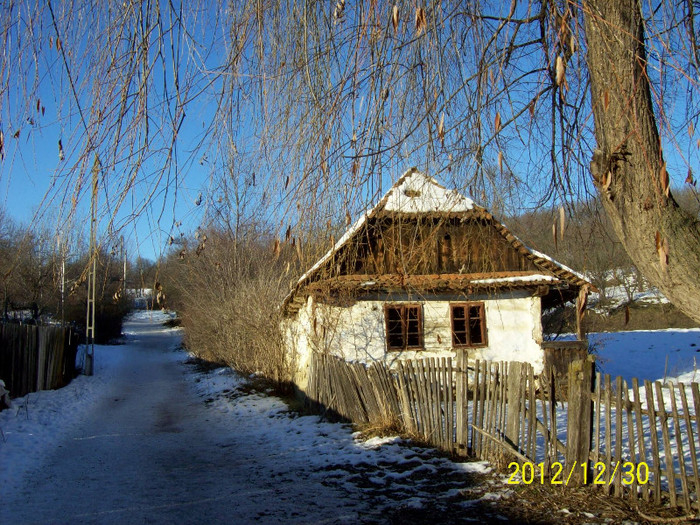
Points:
x=383 y=428
x=548 y=504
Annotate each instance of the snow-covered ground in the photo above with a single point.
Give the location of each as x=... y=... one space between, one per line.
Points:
x=150 y=438
x=672 y=354
x=664 y=355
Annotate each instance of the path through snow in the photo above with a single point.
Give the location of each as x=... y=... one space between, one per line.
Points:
x=149 y=439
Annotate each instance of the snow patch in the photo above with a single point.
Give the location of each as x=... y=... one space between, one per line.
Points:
x=376 y=442
x=516 y=279
x=420 y=193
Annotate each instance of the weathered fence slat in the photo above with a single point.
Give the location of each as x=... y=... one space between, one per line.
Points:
x=668 y=452
x=449 y=402
x=617 y=482
x=433 y=400
x=553 y=410
x=532 y=421
x=521 y=407
x=691 y=440
x=679 y=447
x=641 y=457
x=461 y=394
x=36 y=358
x=596 y=427
x=608 y=434
x=696 y=402
x=579 y=420
x=409 y=416
x=651 y=410
x=491 y=406
x=478 y=415
x=434 y=391
x=508 y=407
x=545 y=419
x=421 y=396
x=416 y=398
x=631 y=438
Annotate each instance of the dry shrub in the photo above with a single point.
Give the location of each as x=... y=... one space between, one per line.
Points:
x=228 y=293
x=388 y=425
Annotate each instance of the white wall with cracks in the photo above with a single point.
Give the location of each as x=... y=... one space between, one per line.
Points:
x=356 y=331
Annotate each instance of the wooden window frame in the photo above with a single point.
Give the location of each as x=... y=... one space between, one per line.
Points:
x=404 y=307
x=467 y=330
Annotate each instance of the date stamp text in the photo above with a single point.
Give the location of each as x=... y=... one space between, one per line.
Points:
x=600 y=474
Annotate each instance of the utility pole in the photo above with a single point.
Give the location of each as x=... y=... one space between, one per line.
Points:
x=62 y=252
x=124 y=274
x=90 y=321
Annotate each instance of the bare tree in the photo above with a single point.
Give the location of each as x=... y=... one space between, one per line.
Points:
x=628 y=167
x=302 y=110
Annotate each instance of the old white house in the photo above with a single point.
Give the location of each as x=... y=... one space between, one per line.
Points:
x=427 y=272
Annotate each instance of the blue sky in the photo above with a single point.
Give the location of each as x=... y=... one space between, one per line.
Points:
x=31 y=191
x=43 y=125
x=44 y=111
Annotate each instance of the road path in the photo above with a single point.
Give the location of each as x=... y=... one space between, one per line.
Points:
x=151 y=449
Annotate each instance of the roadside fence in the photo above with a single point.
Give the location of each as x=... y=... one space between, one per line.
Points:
x=36 y=358
x=631 y=441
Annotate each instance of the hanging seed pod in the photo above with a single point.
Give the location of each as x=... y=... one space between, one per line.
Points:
x=420 y=21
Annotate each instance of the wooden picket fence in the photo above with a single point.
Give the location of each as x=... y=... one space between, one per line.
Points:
x=590 y=430
x=637 y=426
x=36 y=358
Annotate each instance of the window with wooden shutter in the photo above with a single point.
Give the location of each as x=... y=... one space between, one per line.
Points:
x=404 y=326
x=468 y=325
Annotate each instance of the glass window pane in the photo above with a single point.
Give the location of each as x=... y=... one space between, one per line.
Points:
x=404 y=328
x=394 y=328
x=412 y=312
x=476 y=336
x=475 y=311
x=394 y=314
x=459 y=330
x=412 y=326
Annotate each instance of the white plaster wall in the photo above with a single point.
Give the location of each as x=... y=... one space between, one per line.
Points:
x=297 y=330
x=514 y=328
x=357 y=332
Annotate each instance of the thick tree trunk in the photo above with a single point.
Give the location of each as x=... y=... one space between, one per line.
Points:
x=628 y=166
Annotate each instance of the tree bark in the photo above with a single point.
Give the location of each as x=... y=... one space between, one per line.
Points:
x=628 y=168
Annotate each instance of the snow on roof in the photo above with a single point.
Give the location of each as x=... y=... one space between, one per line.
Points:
x=517 y=279
x=414 y=192
x=417 y=192
x=557 y=263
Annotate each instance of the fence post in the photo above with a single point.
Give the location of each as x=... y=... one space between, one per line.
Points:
x=460 y=449
x=579 y=421
x=515 y=370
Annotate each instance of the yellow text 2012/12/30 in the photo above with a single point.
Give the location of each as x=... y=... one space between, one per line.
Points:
x=556 y=474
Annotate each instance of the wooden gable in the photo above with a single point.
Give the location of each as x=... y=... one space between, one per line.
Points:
x=423 y=236
x=425 y=246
